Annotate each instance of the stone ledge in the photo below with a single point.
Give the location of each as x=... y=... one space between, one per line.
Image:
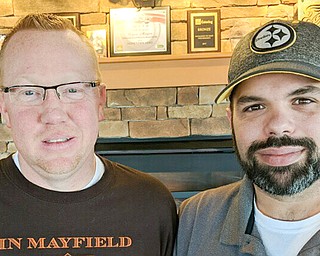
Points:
x=113 y=129
x=162 y=113
x=191 y=111
x=139 y=113
x=112 y=114
x=188 y=95
x=209 y=126
x=141 y=97
x=207 y=94
x=164 y=128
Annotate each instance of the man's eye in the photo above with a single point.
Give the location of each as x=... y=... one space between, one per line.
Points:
x=253 y=108
x=28 y=93
x=302 y=101
x=72 y=90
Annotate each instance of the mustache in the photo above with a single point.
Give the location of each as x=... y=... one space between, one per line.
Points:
x=280 y=142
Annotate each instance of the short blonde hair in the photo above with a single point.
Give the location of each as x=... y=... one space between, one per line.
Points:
x=45 y=22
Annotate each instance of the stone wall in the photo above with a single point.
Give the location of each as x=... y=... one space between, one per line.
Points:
x=158 y=112
x=164 y=112
x=237 y=17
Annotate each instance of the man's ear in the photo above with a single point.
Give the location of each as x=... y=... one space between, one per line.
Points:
x=102 y=101
x=4 y=112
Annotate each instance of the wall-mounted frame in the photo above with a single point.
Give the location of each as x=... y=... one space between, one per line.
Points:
x=98 y=37
x=309 y=10
x=74 y=17
x=140 y=31
x=204 y=31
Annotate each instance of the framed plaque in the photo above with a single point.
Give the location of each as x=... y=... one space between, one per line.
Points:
x=98 y=38
x=73 y=17
x=140 y=31
x=204 y=31
x=309 y=10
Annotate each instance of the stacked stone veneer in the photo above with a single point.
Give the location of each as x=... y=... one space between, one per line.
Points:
x=158 y=112
x=164 y=112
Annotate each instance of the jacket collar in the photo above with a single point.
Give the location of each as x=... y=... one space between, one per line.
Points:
x=239 y=219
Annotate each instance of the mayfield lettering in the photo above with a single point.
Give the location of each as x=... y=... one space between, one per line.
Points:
x=65 y=243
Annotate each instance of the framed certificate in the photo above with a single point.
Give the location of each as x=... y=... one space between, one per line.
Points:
x=204 y=31
x=140 y=31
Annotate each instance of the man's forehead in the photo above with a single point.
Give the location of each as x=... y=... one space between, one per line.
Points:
x=275 y=82
x=47 y=38
x=46 y=54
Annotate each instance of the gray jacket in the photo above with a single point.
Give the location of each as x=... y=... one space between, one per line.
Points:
x=220 y=221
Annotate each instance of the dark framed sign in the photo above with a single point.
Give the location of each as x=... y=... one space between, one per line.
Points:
x=73 y=17
x=204 y=31
x=140 y=31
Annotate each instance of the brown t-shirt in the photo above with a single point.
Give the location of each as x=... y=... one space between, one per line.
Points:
x=126 y=213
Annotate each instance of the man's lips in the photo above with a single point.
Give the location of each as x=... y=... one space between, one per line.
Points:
x=282 y=156
x=57 y=140
x=58 y=144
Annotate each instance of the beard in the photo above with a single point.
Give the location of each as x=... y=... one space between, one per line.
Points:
x=282 y=180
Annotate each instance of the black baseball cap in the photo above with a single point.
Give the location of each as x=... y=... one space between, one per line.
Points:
x=279 y=46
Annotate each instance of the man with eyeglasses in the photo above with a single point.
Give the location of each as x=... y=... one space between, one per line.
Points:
x=57 y=197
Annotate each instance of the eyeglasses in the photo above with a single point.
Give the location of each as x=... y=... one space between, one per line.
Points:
x=33 y=95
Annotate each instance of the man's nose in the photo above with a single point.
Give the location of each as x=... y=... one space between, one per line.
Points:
x=279 y=123
x=53 y=111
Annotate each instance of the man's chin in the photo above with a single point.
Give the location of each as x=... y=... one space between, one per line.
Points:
x=58 y=167
x=284 y=182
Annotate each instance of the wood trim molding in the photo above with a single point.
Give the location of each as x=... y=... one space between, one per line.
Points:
x=165 y=71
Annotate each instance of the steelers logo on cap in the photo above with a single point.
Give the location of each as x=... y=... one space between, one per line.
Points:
x=273 y=37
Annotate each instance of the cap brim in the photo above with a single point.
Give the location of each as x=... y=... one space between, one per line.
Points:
x=301 y=69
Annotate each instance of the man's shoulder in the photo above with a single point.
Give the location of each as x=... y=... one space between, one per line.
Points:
x=215 y=198
x=141 y=187
x=6 y=163
x=126 y=171
x=134 y=177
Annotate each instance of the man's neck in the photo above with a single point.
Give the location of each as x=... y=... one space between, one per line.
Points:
x=290 y=208
x=72 y=181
